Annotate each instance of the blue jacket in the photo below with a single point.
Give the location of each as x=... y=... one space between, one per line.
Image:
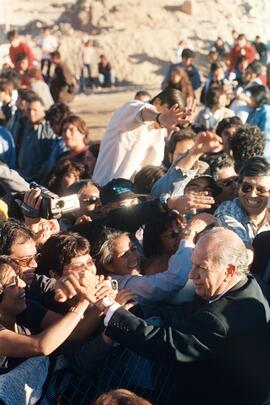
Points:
x=192 y=72
x=7 y=148
x=261 y=117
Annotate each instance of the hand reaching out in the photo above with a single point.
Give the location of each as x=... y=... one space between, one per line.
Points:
x=126 y=298
x=190 y=201
x=177 y=116
x=207 y=142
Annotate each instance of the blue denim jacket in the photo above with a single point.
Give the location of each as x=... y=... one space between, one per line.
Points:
x=173 y=182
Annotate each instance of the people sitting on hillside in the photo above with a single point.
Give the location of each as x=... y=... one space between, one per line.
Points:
x=106 y=75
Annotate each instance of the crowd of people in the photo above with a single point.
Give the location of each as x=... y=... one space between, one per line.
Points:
x=150 y=246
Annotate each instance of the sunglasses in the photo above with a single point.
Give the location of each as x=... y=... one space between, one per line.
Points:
x=229 y=182
x=248 y=188
x=90 y=200
x=25 y=261
x=81 y=266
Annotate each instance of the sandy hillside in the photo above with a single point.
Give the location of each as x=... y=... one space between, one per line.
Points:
x=138 y=36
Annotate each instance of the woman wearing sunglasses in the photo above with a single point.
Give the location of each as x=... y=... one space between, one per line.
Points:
x=248 y=214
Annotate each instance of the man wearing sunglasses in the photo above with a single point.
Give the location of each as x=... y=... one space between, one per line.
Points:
x=17 y=241
x=248 y=215
x=223 y=172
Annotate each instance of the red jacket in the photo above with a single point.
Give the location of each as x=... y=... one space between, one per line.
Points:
x=236 y=52
x=22 y=48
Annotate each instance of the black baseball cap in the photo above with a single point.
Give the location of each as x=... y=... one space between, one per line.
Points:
x=118 y=190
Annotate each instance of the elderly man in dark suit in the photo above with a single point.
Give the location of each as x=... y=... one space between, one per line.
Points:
x=216 y=349
x=219 y=347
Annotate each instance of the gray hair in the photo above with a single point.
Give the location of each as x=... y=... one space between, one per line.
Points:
x=228 y=248
x=234 y=255
x=106 y=245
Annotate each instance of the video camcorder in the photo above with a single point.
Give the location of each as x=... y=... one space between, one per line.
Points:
x=52 y=206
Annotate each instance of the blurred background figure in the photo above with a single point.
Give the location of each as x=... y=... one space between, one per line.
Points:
x=48 y=44
x=106 y=75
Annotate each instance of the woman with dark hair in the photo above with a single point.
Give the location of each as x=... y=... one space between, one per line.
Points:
x=152 y=280
x=75 y=134
x=260 y=116
x=215 y=77
x=162 y=237
x=179 y=80
x=59 y=251
x=88 y=192
x=56 y=114
x=214 y=110
x=66 y=171
x=226 y=129
x=115 y=253
x=146 y=177
x=180 y=142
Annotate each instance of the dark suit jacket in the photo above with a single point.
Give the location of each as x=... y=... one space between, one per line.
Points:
x=220 y=351
x=261 y=259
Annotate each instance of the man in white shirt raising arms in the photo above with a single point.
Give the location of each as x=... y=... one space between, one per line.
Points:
x=135 y=135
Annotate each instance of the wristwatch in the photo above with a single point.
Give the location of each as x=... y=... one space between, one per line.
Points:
x=163 y=202
x=105 y=303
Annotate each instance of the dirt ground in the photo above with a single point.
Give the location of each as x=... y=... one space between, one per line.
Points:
x=96 y=109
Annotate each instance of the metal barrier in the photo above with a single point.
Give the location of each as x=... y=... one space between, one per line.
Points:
x=121 y=369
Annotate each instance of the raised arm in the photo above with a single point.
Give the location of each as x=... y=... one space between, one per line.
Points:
x=205 y=142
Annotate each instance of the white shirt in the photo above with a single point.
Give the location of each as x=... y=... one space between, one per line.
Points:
x=48 y=44
x=87 y=55
x=43 y=91
x=128 y=144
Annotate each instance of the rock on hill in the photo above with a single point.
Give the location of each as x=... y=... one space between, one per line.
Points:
x=140 y=36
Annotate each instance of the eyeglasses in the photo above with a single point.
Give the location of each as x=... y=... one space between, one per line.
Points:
x=15 y=282
x=228 y=183
x=81 y=266
x=90 y=200
x=25 y=261
x=248 y=188
x=174 y=233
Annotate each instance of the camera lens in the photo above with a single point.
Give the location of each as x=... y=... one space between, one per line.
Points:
x=60 y=204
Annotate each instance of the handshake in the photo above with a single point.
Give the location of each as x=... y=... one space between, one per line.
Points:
x=87 y=286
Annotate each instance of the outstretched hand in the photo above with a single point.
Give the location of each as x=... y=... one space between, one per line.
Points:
x=178 y=116
x=207 y=142
x=191 y=201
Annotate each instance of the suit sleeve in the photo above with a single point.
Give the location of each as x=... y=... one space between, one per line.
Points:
x=198 y=340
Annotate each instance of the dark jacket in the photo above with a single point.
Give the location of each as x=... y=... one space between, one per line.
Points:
x=219 y=351
x=261 y=259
